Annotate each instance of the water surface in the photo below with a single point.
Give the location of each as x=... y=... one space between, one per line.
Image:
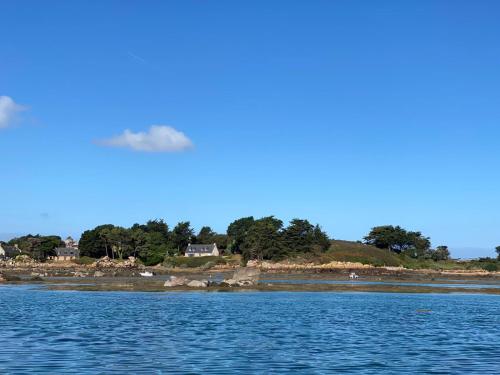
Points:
x=61 y=332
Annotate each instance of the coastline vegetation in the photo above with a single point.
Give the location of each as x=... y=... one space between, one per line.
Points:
x=248 y=238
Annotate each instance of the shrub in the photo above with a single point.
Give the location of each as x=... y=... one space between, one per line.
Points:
x=84 y=260
x=153 y=260
x=192 y=262
x=490 y=267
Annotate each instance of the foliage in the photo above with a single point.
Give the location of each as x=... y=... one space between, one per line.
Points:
x=150 y=242
x=192 y=262
x=398 y=240
x=264 y=240
x=154 y=259
x=237 y=233
x=490 y=267
x=93 y=244
x=497 y=249
x=205 y=236
x=85 y=260
x=36 y=246
x=441 y=253
x=181 y=236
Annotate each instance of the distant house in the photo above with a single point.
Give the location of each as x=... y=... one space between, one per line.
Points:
x=8 y=252
x=66 y=253
x=71 y=243
x=202 y=250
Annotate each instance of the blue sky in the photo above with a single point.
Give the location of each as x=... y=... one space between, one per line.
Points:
x=349 y=113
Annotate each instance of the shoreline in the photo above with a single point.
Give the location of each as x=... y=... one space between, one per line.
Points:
x=377 y=282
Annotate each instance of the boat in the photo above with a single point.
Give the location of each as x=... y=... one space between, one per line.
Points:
x=146 y=274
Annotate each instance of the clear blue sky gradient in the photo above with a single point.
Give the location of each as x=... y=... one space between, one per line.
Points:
x=349 y=113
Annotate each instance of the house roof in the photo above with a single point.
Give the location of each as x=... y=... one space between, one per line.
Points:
x=67 y=251
x=200 y=248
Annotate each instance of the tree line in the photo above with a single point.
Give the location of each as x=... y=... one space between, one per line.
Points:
x=264 y=238
x=401 y=241
x=36 y=246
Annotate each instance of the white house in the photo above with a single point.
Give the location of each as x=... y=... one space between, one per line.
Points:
x=202 y=250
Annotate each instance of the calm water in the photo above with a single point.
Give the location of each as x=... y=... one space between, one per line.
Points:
x=362 y=282
x=158 y=333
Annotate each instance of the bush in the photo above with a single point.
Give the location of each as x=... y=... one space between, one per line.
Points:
x=192 y=262
x=153 y=260
x=490 y=267
x=84 y=260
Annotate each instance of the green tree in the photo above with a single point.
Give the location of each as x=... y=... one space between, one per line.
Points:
x=397 y=239
x=181 y=236
x=498 y=252
x=221 y=241
x=237 y=232
x=36 y=246
x=441 y=253
x=321 y=239
x=107 y=240
x=298 y=237
x=92 y=244
x=264 y=240
x=120 y=241
x=158 y=226
x=138 y=240
x=206 y=236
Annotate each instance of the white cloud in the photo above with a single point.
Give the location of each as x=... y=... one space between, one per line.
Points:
x=8 y=111
x=159 y=138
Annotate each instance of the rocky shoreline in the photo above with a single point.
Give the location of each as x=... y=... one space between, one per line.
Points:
x=110 y=274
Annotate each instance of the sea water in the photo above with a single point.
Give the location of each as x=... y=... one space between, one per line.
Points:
x=64 y=332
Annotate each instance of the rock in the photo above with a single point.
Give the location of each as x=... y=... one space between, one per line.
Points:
x=244 y=277
x=98 y=274
x=80 y=274
x=176 y=281
x=35 y=274
x=2 y=278
x=198 y=283
x=24 y=260
x=106 y=262
x=253 y=263
x=230 y=282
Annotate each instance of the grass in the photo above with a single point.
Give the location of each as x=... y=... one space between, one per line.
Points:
x=192 y=262
x=347 y=251
x=84 y=260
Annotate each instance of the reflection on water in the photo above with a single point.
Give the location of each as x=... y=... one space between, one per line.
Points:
x=156 y=333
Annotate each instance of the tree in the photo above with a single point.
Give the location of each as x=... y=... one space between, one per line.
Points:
x=321 y=239
x=138 y=240
x=105 y=236
x=498 y=252
x=237 y=232
x=181 y=236
x=397 y=239
x=206 y=236
x=220 y=240
x=441 y=253
x=264 y=240
x=92 y=244
x=299 y=236
x=36 y=246
x=158 y=226
x=120 y=241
